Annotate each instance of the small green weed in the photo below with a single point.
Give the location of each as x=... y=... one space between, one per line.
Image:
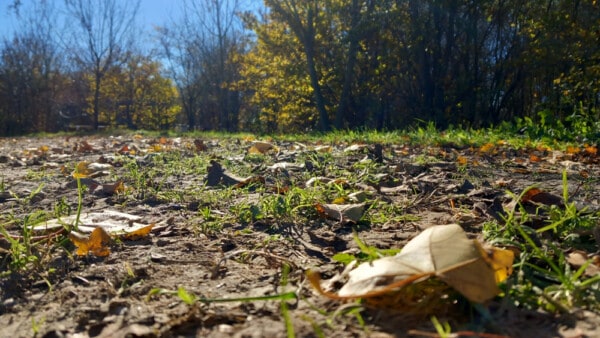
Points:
x=23 y=252
x=443 y=329
x=544 y=278
x=367 y=253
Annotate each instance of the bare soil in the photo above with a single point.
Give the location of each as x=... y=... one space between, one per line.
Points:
x=64 y=295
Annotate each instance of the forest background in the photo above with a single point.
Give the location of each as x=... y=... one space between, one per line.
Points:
x=302 y=65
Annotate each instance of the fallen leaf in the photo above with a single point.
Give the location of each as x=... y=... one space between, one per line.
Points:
x=317 y=180
x=487 y=148
x=534 y=158
x=441 y=251
x=591 y=150
x=114 y=188
x=125 y=150
x=250 y=180
x=354 y=148
x=86 y=169
x=260 y=147
x=113 y=222
x=500 y=260
x=81 y=170
x=462 y=161
x=341 y=212
x=577 y=259
x=137 y=234
x=84 y=147
x=324 y=149
x=156 y=148
x=286 y=166
x=537 y=195
x=96 y=243
x=573 y=150
x=200 y=146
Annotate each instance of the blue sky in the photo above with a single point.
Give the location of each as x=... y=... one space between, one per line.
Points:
x=152 y=12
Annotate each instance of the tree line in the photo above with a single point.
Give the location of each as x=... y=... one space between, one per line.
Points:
x=301 y=65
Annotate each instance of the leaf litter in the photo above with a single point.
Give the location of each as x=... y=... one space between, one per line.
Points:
x=176 y=214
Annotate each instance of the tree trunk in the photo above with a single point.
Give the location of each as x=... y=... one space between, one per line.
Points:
x=341 y=111
x=97 y=101
x=314 y=81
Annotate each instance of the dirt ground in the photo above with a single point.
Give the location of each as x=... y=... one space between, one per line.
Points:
x=65 y=295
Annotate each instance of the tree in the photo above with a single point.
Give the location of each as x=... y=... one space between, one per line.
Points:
x=302 y=17
x=137 y=95
x=201 y=51
x=273 y=78
x=30 y=74
x=107 y=28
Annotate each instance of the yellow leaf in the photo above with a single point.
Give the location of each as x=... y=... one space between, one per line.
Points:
x=500 y=260
x=487 y=148
x=96 y=243
x=139 y=233
x=462 y=161
x=339 y=200
x=573 y=150
x=81 y=170
x=156 y=148
x=591 y=150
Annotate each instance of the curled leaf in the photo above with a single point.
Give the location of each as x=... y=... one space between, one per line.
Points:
x=441 y=251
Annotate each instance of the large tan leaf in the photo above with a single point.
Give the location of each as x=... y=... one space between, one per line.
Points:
x=442 y=251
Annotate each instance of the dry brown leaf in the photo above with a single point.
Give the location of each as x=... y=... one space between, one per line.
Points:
x=200 y=146
x=260 y=147
x=124 y=150
x=114 y=188
x=534 y=158
x=250 y=180
x=537 y=195
x=84 y=147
